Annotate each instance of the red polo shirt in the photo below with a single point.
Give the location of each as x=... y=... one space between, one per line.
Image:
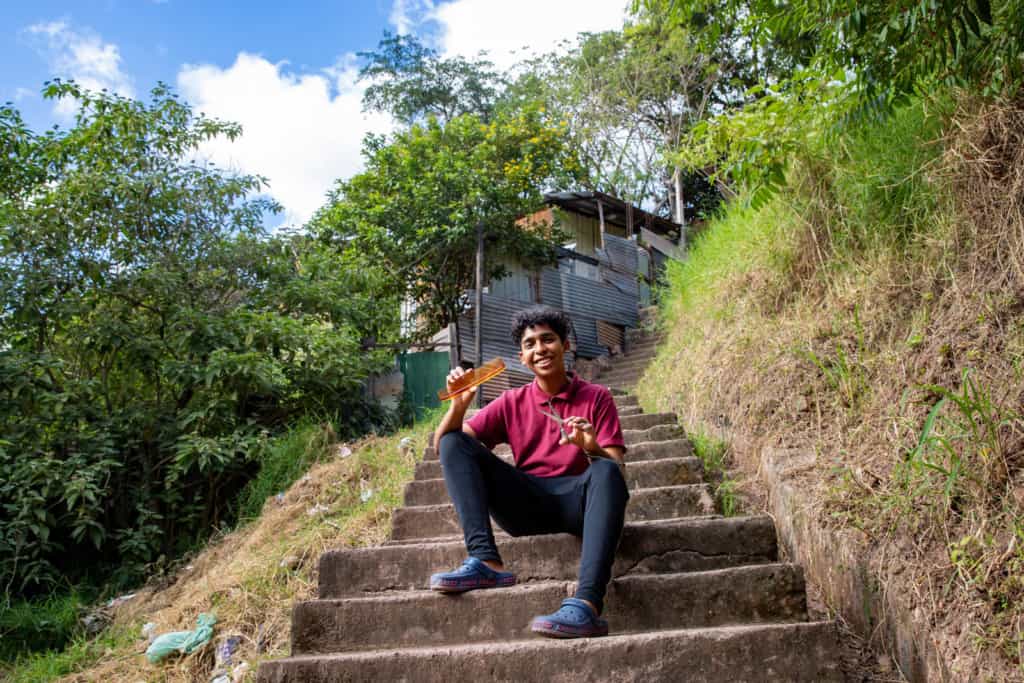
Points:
x=515 y=418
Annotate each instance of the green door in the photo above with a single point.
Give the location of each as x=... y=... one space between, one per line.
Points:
x=425 y=373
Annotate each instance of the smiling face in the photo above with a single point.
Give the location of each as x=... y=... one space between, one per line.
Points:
x=543 y=351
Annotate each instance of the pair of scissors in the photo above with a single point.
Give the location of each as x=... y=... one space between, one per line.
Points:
x=557 y=418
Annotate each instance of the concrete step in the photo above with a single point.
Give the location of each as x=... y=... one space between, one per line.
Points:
x=764 y=652
x=638 y=362
x=644 y=344
x=639 y=475
x=626 y=400
x=645 y=548
x=647 y=420
x=626 y=373
x=755 y=594
x=665 y=502
x=641 y=452
x=662 y=432
x=630 y=410
x=634 y=438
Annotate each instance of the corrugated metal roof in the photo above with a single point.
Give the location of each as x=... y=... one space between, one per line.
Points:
x=615 y=211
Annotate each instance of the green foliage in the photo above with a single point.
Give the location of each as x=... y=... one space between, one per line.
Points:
x=412 y=82
x=414 y=211
x=628 y=97
x=153 y=338
x=850 y=61
x=284 y=460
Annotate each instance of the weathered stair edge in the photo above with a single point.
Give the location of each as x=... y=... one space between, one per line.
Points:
x=634 y=438
x=769 y=593
x=645 y=504
x=776 y=652
x=645 y=474
x=646 y=547
x=842 y=571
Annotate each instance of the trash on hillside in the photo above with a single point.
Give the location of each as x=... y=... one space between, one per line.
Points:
x=317 y=509
x=290 y=562
x=238 y=673
x=344 y=451
x=406 y=444
x=182 y=642
x=223 y=657
x=365 y=492
x=95 y=621
x=121 y=599
x=279 y=498
x=149 y=630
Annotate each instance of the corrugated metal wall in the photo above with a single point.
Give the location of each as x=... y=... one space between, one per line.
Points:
x=613 y=296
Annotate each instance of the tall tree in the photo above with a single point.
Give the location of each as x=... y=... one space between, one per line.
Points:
x=416 y=207
x=628 y=97
x=411 y=82
x=152 y=337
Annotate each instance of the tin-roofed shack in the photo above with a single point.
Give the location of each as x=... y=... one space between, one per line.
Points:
x=605 y=271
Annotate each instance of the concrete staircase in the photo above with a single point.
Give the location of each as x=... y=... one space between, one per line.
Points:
x=695 y=596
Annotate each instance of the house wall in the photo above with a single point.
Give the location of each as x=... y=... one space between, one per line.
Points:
x=586 y=231
x=609 y=293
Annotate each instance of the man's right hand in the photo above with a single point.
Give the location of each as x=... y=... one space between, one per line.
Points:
x=463 y=401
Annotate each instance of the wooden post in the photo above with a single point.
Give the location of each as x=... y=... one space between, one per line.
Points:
x=600 y=215
x=453 y=347
x=680 y=208
x=478 y=304
x=629 y=220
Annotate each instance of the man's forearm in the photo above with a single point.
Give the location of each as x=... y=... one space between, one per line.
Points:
x=451 y=422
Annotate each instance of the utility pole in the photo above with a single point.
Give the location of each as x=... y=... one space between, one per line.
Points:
x=478 y=304
x=677 y=179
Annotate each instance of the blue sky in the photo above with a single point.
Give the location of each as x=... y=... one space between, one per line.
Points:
x=285 y=71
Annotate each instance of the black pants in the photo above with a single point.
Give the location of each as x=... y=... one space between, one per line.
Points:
x=591 y=505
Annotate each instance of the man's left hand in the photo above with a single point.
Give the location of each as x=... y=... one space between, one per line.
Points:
x=581 y=433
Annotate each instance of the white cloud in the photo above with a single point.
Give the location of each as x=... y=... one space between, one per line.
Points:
x=406 y=14
x=83 y=56
x=511 y=31
x=301 y=131
x=23 y=93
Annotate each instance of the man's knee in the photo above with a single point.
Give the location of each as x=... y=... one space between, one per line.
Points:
x=454 y=445
x=607 y=474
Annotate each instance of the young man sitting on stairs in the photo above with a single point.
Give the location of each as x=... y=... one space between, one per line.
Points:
x=567 y=476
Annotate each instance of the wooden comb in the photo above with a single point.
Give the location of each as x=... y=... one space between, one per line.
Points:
x=474 y=377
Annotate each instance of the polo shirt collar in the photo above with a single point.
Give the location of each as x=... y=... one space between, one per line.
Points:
x=565 y=394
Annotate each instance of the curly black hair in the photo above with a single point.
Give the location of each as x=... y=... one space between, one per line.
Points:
x=558 y=321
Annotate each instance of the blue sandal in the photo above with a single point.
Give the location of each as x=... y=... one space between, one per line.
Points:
x=574 y=619
x=471 y=575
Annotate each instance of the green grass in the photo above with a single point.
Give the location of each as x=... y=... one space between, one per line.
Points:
x=714 y=455
x=286 y=458
x=39 y=667
x=46 y=623
x=880 y=179
x=733 y=243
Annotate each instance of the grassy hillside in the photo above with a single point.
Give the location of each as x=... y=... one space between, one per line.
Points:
x=250 y=578
x=872 y=313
